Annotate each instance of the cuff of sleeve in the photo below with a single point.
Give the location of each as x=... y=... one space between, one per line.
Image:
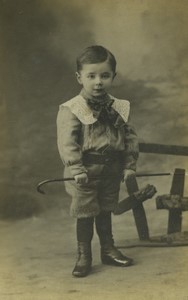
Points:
x=77 y=169
x=130 y=163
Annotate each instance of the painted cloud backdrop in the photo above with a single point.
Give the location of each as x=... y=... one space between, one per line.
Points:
x=39 y=43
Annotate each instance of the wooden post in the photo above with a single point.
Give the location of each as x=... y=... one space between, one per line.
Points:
x=177 y=188
x=138 y=211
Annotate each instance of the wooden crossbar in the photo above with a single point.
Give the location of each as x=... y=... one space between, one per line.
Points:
x=163 y=149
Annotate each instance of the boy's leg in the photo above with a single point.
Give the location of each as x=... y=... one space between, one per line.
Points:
x=109 y=253
x=84 y=231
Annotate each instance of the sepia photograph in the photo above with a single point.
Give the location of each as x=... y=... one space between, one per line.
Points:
x=93 y=149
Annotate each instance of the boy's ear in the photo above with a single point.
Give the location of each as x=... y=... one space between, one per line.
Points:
x=78 y=76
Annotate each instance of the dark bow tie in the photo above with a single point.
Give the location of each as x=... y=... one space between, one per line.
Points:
x=99 y=104
x=103 y=110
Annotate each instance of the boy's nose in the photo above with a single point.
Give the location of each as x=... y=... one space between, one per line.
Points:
x=98 y=80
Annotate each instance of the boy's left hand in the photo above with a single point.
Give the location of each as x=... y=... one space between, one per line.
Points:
x=127 y=174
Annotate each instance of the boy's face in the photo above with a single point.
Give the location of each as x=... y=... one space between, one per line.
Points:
x=96 y=78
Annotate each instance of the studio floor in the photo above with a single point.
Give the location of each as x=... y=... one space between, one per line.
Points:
x=38 y=254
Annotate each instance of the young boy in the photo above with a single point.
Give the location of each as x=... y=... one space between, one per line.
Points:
x=98 y=148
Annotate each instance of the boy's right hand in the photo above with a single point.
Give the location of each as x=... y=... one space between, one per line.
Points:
x=81 y=178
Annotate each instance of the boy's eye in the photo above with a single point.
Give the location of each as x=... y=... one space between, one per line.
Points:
x=106 y=75
x=91 y=76
x=102 y=76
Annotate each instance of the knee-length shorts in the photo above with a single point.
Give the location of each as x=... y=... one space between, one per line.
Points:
x=99 y=194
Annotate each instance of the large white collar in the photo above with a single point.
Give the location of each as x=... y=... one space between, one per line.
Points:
x=79 y=107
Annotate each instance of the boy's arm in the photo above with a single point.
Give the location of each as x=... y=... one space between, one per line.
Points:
x=68 y=131
x=132 y=147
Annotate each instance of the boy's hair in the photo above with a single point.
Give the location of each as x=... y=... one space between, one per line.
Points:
x=95 y=54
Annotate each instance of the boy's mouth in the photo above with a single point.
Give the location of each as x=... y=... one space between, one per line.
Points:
x=98 y=90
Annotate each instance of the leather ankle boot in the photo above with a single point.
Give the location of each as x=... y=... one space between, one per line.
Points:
x=83 y=264
x=110 y=255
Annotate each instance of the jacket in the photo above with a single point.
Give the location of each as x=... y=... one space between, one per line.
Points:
x=79 y=131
